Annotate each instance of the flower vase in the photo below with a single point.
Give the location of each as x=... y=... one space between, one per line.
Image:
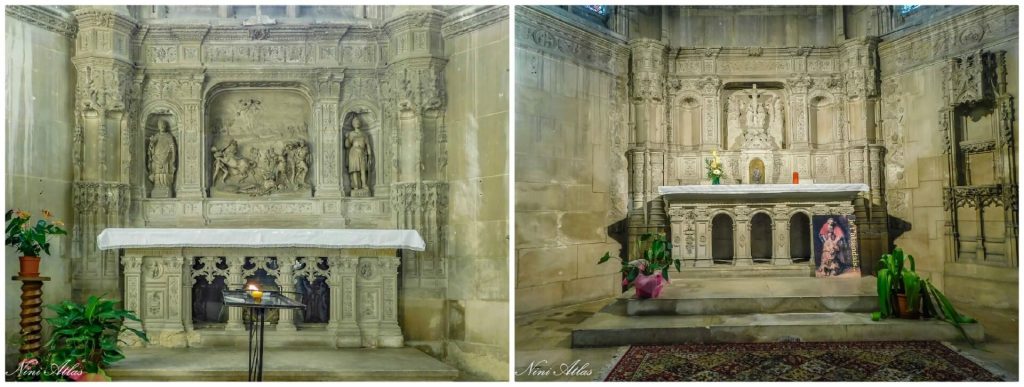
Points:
x=716 y=180
x=648 y=286
x=29 y=266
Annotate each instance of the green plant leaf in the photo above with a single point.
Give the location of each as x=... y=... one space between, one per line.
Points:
x=605 y=258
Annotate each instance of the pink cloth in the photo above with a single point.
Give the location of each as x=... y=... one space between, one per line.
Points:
x=649 y=286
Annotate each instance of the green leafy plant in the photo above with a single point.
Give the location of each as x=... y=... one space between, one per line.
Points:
x=656 y=257
x=894 y=278
x=87 y=335
x=29 y=239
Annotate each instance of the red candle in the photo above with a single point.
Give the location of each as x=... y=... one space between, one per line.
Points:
x=796 y=177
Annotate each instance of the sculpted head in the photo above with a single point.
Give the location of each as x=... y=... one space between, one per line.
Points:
x=357 y=123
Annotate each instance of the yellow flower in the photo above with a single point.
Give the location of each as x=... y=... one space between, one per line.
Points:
x=47 y=214
x=24 y=214
x=58 y=223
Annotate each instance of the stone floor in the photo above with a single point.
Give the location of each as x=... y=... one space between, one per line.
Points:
x=205 y=364
x=543 y=342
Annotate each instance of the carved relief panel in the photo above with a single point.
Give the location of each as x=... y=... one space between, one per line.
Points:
x=259 y=143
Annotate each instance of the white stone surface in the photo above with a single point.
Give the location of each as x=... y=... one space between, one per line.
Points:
x=761 y=190
x=115 y=238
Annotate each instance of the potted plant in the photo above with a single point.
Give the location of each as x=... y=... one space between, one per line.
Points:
x=899 y=289
x=903 y=293
x=650 y=273
x=30 y=238
x=714 y=168
x=87 y=336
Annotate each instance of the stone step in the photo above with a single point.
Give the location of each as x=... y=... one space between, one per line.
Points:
x=757 y=270
x=725 y=296
x=612 y=327
x=207 y=364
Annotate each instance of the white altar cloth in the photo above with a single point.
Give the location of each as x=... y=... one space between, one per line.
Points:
x=762 y=190
x=119 y=238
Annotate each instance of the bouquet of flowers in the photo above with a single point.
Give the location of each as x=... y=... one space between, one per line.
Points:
x=714 y=167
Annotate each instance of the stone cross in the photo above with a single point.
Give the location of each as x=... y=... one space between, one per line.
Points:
x=754 y=93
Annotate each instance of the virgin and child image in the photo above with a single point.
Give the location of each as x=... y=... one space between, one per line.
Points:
x=832 y=252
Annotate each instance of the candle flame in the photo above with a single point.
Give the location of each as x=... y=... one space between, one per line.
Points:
x=253 y=287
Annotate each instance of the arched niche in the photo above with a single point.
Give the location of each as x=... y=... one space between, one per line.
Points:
x=800 y=237
x=259 y=141
x=685 y=119
x=822 y=117
x=722 y=239
x=761 y=238
x=161 y=181
x=371 y=127
x=756 y=173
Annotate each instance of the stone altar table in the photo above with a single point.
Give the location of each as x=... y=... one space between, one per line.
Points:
x=359 y=267
x=746 y=224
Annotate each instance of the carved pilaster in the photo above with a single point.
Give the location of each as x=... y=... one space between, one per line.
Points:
x=711 y=130
x=390 y=334
x=327 y=125
x=342 y=281
x=235 y=282
x=286 y=280
x=798 y=87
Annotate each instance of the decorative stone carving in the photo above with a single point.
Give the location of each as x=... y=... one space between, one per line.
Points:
x=259 y=153
x=358 y=147
x=163 y=161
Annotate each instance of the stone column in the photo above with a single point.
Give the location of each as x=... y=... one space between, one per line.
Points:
x=186 y=292
x=711 y=130
x=193 y=146
x=343 y=301
x=286 y=280
x=390 y=334
x=327 y=126
x=175 y=300
x=780 y=232
x=413 y=109
x=235 y=282
x=798 y=117
x=101 y=194
x=132 y=287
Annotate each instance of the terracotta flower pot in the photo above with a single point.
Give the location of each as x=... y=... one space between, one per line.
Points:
x=29 y=266
x=648 y=286
x=904 y=308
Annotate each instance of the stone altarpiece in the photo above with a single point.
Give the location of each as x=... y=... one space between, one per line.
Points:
x=251 y=123
x=768 y=112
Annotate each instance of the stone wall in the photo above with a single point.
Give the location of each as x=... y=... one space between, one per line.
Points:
x=38 y=143
x=477 y=76
x=914 y=80
x=570 y=158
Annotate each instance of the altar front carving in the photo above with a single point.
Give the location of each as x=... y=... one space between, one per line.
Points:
x=743 y=225
x=349 y=284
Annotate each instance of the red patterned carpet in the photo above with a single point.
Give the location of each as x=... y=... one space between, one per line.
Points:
x=796 y=361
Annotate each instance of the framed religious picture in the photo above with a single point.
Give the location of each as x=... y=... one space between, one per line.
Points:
x=835 y=246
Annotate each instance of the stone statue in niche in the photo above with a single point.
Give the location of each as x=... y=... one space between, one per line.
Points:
x=261 y=144
x=163 y=160
x=360 y=157
x=756 y=171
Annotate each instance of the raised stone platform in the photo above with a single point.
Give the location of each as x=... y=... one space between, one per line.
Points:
x=739 y=310
x=763 y=295
x=191 y=364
